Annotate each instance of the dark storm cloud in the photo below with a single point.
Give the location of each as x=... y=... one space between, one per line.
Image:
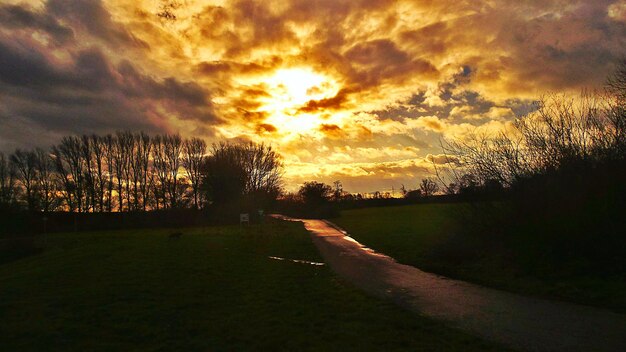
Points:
x=380 y=60
x=18 y=18
x=435 y=43
x=89 y=72
x=22 y=66
x=136 y=84
x=562 y=46
x=88 y=93
x=92 y=17
x=377 y=52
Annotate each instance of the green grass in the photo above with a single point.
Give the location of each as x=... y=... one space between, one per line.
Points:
x=213 y=289
x=427 y=236
x=408 y=233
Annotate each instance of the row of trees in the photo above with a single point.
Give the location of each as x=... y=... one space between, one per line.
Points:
x=314 y=193
x=135 y=172
x=562 y=133
x=124 y=172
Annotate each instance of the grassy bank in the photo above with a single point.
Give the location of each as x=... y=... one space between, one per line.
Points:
x=427 y=236
x=213 y=289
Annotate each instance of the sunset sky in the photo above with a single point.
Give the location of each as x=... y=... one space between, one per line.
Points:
x=360 y=91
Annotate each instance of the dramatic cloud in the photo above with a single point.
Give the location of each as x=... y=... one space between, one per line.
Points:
x=20 y=18
x=357 y=90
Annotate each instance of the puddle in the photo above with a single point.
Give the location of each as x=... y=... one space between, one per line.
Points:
x=297 y=261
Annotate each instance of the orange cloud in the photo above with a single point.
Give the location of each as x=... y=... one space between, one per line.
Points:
x=332 y=131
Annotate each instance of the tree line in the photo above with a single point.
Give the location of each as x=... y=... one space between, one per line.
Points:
x=128 y=171
x=563 y=134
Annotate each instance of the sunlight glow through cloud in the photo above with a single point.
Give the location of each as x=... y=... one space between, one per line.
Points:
x=288 y=90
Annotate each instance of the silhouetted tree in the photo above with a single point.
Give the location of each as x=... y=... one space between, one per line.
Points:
x=403 y=190
x=99 y=150
x=25 y=162
x=338 y=192
x=139 y=164
x=109 y=144
x=263 y=169
x=193 y=156
x=72 y=168
x=428 y=187
x=173 y=145
x=160 y=171
x=616 y=112
x=452 y=188
x=7 y=181
x=232 y=171
x=144 y=150
x=62 y=173
x=413 y=194
x=87 y=156
x=616 y=83
x=224 y=175
x=45 y=180
x=120 y=160
x=315 y=194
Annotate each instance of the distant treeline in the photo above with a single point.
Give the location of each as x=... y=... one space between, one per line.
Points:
x=131 y=180
x=91 y=173
x=128 y=172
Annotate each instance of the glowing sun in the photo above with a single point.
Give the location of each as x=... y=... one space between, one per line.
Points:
x=289 y=90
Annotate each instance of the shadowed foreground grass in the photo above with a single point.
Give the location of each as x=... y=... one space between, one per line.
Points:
x=213 y=289
x=424 y=235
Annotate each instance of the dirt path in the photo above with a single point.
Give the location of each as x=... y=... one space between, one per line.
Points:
x=517 y=321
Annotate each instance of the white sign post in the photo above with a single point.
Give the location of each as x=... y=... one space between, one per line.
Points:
x=244 y=218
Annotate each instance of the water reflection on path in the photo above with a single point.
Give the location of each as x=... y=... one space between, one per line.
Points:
x=517 y=321
x=297 y=261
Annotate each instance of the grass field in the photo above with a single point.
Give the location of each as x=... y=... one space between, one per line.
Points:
x=423 y=235
x=213 y=289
